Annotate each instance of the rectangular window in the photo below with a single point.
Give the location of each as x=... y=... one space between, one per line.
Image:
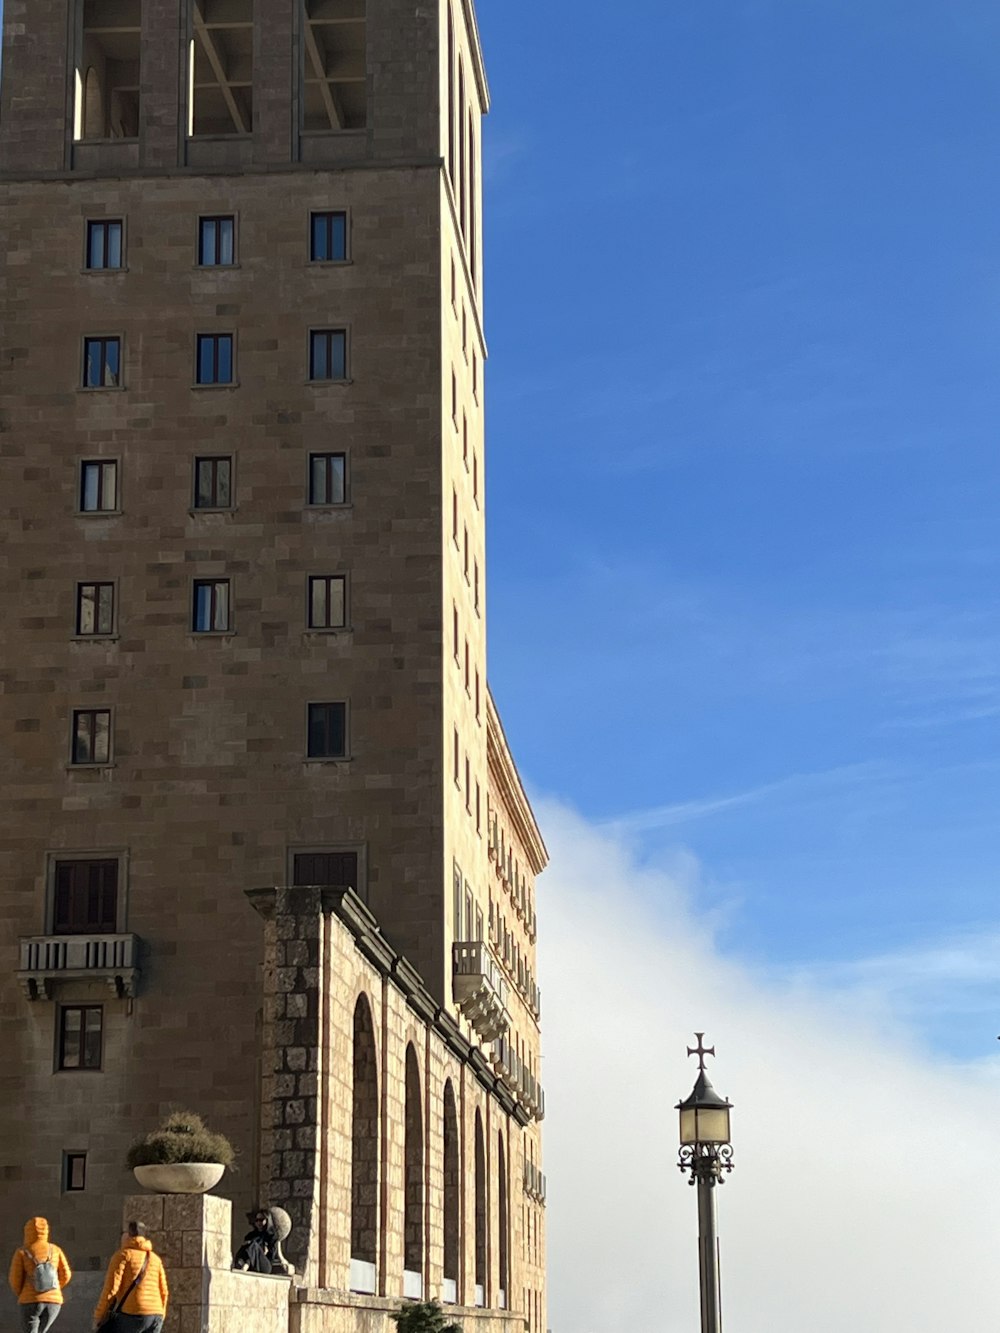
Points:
x=74 y=1171
x=210 y=607
x=465 y=440
x=454 y=630
x=98 y=486
x=328 y=354
x=104 y=244
x=328 y=237
x=213 y=483
x=465 y=331
x=102 y=359
x=454 y=398
x=477 y=695
x=328 y=731
x=475 y=477
x=85 y=898
x=454 y=516
x=95 y=609
x=455 y=756
x=479 y=810
x=327 y=601
x=468 y=785
x=91 y=741
x=80 y=1037
x=475 y=585
x=454 y=286
x=465 y=554
x=457 y=883
x=327 y=479
x=214 y=364
x=467 y=666
x=217 y=242
x=334 y=869
x=475 y=375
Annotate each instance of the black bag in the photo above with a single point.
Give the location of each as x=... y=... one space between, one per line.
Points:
x=112 y=1315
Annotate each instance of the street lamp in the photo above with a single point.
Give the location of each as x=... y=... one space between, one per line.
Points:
x=705 y=1154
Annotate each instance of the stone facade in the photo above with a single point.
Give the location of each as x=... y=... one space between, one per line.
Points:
x=207 y=788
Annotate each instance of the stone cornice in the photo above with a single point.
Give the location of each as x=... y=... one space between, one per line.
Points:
x=508 y=780
x=372 y=944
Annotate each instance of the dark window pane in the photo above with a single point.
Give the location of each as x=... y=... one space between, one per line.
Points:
x=329 y=236
x=95 y=248
x=326 y=602
x=328 y=354
x=335 y=869
x=76 y=1171
x=327 y=474
x=216 y=241
x=92 y=736
x=80 y=1037
x=327 y=731
x=113 y=245
x=85 y=897
x=213 y=483
x=211 y=606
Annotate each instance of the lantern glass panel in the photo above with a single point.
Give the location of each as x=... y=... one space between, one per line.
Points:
x=713 y=1125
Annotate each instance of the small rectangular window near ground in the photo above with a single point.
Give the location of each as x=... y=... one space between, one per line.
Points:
x=214 y=360
x=104 y=244
x=102 y=360
x=220 y=68
x=335 y=74
x=217 y=242
x=213 y=482
x=85 y=897
x=211 y=604
x=327 y=355
x=74 y=1172
x=95 y=609
x=328 y=238
x=98 y=486
x=80 y=1037
x=91 y=739
x=327 y=731
x=327 y=601
x=327 y=479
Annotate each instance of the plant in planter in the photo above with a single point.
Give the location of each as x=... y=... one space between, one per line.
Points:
x=423 y=1317
x=181 y=1156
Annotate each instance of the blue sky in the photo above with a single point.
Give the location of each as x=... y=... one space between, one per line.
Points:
x=744 y=313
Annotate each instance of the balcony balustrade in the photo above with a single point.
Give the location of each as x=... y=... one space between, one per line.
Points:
x=46 y=960
x=481 y=991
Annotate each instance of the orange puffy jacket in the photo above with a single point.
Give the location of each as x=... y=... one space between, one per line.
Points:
x=149 y=1295
x=37 y=1248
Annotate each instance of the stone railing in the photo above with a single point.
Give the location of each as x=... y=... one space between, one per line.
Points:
x=47 y=959
x=481 y=990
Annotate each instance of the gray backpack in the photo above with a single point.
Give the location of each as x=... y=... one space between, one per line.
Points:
x=44 y=1278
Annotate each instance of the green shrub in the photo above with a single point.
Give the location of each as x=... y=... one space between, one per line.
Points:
x=181 y=1138
x=425 y=1317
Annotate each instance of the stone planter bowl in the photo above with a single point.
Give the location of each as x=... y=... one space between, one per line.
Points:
x=179 y=1177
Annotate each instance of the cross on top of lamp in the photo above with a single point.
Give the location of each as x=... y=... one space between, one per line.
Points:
x=705 y=1149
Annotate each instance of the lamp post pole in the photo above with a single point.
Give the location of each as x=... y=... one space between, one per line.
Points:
x=706 y=1154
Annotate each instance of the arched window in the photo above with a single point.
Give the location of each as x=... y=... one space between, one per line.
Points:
x=364 y=1153
x=503 y=1226
x=481 y=1216
x=93 y=106
x=413 y=1192
x=452 y=1187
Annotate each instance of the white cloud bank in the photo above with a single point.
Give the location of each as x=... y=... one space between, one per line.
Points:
x=866 y=1195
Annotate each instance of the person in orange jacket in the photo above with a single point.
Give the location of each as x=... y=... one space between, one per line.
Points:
x=135 y=1287
x=38 y=1273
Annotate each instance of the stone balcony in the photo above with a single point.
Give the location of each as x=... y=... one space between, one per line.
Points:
x=480 y=989
x=46 y=960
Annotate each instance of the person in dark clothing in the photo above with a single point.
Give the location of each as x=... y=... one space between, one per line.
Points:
x=256 y=1254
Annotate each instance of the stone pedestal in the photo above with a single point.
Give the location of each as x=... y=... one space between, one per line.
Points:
x=192 y=1235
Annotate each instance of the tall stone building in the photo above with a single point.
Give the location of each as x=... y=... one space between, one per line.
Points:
x=265 y=852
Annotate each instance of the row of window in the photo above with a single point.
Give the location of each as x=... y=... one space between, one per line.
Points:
x=99 y=490
x=87 y=893
x=211 y=606
x=216 y=241
x=92 y=737
x=214 y=359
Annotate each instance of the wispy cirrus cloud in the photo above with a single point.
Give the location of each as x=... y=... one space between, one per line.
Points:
x=795 y=787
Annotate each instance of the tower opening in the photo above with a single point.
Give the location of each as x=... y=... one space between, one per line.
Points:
x=220 y=93
x=364 y=1153
x=335 y=65
x=413 y=1201
x=450 y=1211
x=108 y=70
